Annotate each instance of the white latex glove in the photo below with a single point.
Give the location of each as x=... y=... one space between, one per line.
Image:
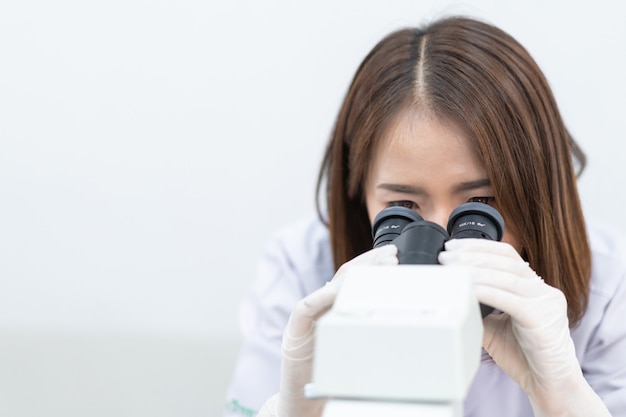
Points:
x=531 y=340
x=298 y=341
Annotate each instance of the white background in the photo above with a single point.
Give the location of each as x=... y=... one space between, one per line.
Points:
x=149 y=148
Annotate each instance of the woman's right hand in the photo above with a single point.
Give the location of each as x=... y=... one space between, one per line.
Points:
x=298 y=341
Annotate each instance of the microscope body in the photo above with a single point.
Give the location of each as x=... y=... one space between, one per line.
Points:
x=405 y=337
x=405 y=340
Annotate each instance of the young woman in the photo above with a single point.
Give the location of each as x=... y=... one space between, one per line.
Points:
x=437 y=116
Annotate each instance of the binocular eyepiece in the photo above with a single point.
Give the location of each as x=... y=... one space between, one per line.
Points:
x=420 y=241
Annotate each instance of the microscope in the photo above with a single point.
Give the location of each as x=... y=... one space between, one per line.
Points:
x=404 y=340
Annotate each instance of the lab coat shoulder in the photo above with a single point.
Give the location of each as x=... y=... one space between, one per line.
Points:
x=600 y=337
x=608 y=262
x=295 y=262
x=298 y=257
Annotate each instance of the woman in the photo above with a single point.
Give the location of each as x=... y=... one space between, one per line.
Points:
x=437 y=116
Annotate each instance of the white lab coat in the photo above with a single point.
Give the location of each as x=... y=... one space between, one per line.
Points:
x=297 y=261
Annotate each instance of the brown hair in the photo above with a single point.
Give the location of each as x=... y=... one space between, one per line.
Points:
x=482 y=80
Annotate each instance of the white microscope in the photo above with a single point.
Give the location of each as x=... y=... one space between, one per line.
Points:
x=399 y=341
x=404 y=340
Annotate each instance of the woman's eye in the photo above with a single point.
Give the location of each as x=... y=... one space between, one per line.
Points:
x=484 y=200
x=405 y=203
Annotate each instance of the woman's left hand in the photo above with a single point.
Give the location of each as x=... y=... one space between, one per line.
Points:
x=531 y=340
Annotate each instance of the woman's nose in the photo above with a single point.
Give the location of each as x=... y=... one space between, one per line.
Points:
x=439 y=216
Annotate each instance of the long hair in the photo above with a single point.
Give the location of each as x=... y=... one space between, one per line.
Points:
x=482 y=80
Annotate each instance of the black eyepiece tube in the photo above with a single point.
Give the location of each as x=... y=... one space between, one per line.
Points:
x=390 y=222
x=476 y=220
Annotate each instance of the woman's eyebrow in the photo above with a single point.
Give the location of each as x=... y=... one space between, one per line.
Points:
x=410 y=189
x=401 y=188
x=472 y=185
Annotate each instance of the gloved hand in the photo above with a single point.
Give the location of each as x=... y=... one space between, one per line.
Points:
x=298 y=341
x=530 y=341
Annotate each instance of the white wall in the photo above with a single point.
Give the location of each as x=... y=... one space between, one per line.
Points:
x=149 y=148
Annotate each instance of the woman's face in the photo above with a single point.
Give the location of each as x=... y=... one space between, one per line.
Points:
x=427 y=166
